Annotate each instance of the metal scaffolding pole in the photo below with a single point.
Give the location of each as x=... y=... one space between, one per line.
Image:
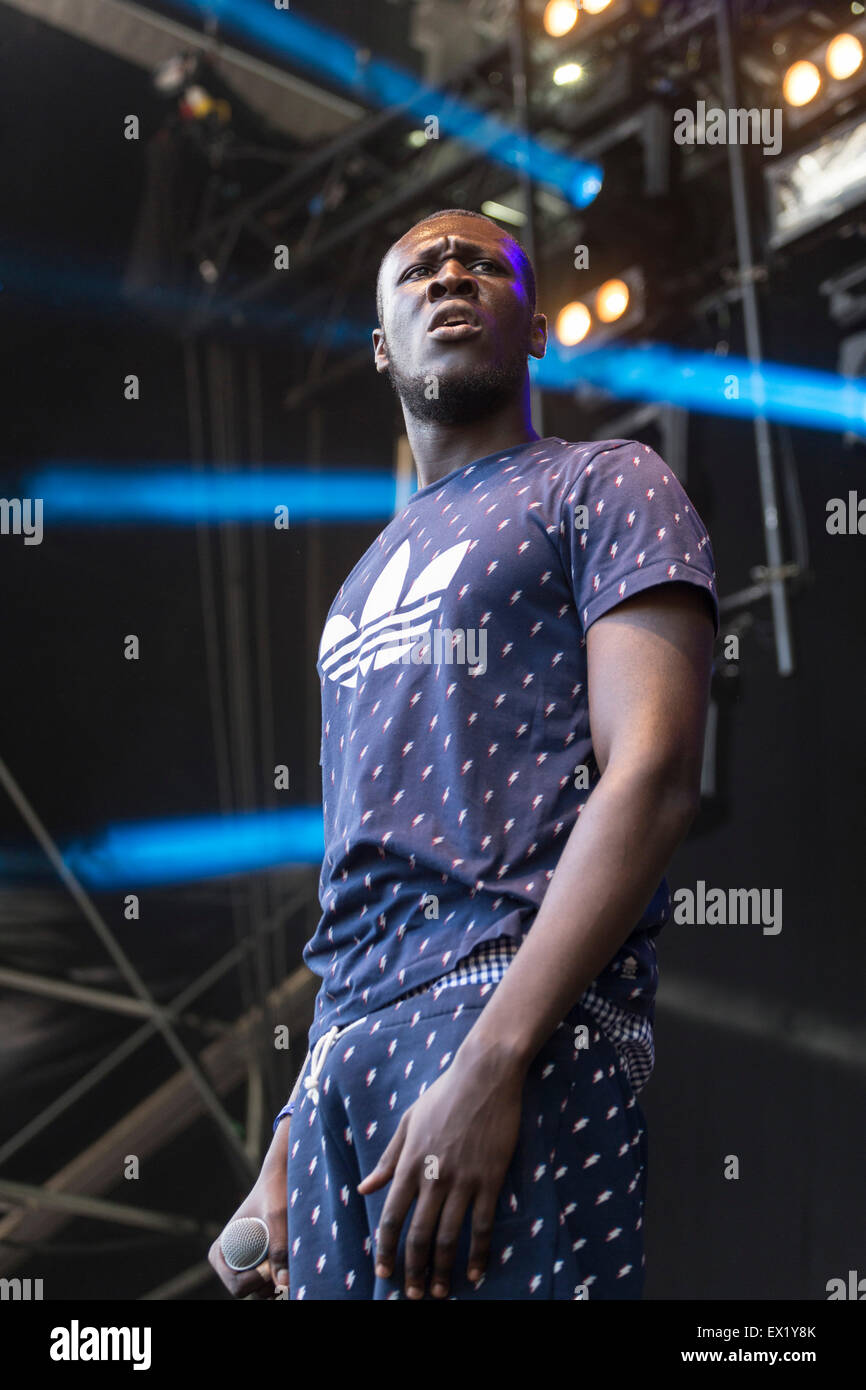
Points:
x=763 y=445
x=520 y=95
x=247 y=771
x=106 y=999
x=153 y=1122
x=24 y=1195
x=160 y=1018
x=107 y=1064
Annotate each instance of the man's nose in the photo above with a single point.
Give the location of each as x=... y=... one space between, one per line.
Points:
x=452 y=279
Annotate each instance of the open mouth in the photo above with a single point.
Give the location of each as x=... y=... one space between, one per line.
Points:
x=451 y=322
x=451 y=331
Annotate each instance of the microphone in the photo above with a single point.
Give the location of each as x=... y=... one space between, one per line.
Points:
x=245 y=1243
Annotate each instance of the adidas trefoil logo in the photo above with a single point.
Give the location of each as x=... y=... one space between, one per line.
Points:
x=391 y=626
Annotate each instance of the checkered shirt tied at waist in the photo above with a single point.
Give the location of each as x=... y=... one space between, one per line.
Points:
x=631 y=1035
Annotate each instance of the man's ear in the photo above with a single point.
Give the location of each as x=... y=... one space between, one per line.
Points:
x=380 y=350
x=538 y=337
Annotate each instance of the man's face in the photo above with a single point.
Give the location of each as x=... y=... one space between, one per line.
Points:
x=450 y=269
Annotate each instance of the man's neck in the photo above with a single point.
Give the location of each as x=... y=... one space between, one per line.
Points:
x=439 y=449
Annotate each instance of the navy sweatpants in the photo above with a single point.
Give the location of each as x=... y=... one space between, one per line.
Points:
x=569 y=1219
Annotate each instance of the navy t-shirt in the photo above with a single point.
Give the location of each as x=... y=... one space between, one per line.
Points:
x=455 y=719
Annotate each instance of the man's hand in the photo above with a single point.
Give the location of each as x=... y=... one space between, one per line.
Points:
x=267 y=1200
x=452 y=1148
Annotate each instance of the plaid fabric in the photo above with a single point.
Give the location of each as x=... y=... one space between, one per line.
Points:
x=631 y=1035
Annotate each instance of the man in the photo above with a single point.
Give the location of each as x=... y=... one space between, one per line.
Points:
x=498 y=817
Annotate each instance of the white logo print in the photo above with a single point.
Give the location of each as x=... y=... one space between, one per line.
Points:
x=389 y=627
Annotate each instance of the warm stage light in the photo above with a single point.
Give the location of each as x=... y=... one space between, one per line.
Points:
x=612 y=300
x=573 y=323
x=569 y=72
x=844 y=56
x=560 y=18
x=801 y=84
x=595 y=6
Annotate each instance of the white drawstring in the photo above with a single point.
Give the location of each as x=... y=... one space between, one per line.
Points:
x=319 y=1054
x=317 y=1061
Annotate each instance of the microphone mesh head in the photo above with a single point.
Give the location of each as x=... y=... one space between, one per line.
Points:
x=245 y=1242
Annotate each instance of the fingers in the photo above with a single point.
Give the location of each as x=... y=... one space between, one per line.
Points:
x=403 y=1193
x=387 y=1165
x=278 y=1249
x=483 y=1215
x=447 y=1236
x=434 y=1234
x=420 y=1238
x=268 y=1290
x=269 y=1278
x=241 y=1283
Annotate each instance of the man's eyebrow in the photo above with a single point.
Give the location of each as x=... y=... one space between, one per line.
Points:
x=461 y=247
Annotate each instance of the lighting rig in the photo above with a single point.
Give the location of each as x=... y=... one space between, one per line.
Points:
x=599 y=85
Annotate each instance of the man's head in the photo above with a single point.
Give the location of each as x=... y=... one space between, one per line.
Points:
x=520 y=255
x=456 y=264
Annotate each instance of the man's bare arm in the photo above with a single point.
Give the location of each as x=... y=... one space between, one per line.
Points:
x=268 y=1201
x=649 y=663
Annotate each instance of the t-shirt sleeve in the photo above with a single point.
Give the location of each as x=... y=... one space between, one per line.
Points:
x=626 y=524
x=289 y=1107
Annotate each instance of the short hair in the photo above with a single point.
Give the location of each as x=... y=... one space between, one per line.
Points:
x=525 y=262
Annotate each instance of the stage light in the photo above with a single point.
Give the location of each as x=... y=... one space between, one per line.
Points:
x=844 y=56
x=417 y=139
x=569 y=72
x=503 y=213
x=827 y=74
x=608 y=310
x=560 y=17
x=801 y=84
x=594 y=6
x=170 y=76
x=612 y=300
x=817 y=184
x=573 y=323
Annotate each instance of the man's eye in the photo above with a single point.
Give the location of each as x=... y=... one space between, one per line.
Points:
x=411 y=272
x=491 y=264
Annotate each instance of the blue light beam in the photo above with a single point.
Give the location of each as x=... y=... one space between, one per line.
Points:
x=322 y=51
x=702 y=382
x=187 y=850
x=77 y=493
